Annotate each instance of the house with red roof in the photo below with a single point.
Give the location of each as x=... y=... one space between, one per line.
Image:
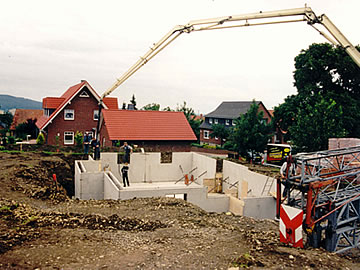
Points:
x=75 y=110
x=22 y=116
x=151 y=130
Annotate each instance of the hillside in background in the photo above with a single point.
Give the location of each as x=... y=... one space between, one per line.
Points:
x=9 y=102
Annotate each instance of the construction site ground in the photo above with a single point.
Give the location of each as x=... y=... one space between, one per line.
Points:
x=41 y=227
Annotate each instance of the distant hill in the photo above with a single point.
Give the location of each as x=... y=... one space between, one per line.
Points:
x=9 y=102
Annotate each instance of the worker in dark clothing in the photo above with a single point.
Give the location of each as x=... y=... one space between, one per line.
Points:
x=96 y=148
x=128 y=150
x=87 y=141
x=124 y=172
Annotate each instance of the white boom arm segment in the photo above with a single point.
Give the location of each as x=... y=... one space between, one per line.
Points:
x=302 y=14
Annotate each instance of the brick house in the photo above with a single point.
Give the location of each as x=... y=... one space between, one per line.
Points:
x=225 y=114
x=151 y=130
x=76 y=110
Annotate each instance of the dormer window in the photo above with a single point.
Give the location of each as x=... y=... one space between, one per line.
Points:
x=84 y=94
x=69 y=114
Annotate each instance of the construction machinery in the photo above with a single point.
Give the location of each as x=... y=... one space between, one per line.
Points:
x=326 y=187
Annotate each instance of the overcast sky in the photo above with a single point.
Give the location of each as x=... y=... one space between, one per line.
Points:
x=48 y=46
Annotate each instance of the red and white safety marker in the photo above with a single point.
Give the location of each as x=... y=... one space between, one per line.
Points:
x=291 y=226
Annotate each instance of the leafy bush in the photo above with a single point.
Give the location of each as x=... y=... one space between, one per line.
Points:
x=209 y=146
x=79 y=138
x=40 y=139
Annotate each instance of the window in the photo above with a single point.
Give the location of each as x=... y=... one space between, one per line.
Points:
x=69 y=114
x=84 y=94
x=233 y=122
x=216 y=121
x=68 y=137
x=210 y=121
x=216 y=138
x=227 y=122
x=96 y=115
x=166 y=157
x=206 y=134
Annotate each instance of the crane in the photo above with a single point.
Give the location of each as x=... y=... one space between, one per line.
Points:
x=304 y=14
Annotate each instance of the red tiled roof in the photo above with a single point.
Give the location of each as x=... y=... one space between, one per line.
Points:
x=111 y=103
x=147 y=125
x=22 y=115
x=52 y=102
x=271 y=112
x=41 y=121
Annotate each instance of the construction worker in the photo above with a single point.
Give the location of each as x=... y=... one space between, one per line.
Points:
x=128 y=150
x=124 y=172
x=87 y=140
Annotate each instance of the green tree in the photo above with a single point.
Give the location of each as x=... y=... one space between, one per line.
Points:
x=191 y=117
x=79 y=138
x=40 y=139
x=326 y=115
x=250 y=134
x=27 y=128
x=327 y=80
x=220 y=131
x=7 y=119
x=133 y=101
x=151 y=107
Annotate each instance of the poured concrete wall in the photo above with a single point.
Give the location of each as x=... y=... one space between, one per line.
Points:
x=203 y=164
x=260 y=207
x=253 y=183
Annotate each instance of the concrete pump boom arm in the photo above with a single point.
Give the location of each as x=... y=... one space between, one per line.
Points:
x=305 y=14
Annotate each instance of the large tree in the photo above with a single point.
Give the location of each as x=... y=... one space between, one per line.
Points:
x=191 y=117
x=220 y=131
x=250 y=134
x=151 y=107
x=328 y=100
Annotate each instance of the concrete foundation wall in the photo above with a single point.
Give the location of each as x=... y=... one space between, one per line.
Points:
x=111 y=187
x=264 y=207
x=203 y=163
x=250 y=182
x=91 y=186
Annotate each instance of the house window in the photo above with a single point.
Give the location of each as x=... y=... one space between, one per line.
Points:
x=233 y=122
x=216 y=138
x=69 y=114
x=227 y=122
x=216 y=121
x=210 y=121
x=96 y=115
x=68 y=137
x=84 y=94
x=206 y=134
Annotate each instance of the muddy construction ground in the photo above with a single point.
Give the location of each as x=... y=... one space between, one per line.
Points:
x=42 y=228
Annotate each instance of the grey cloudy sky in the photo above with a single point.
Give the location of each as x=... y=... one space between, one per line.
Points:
x=48 y=46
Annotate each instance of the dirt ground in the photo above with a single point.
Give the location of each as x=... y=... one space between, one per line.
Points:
x=42 y=228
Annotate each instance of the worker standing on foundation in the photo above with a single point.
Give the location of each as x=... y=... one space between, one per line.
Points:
x=124 y=172
x=128 y=150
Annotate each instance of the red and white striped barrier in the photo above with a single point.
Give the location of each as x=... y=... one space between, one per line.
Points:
x=291 y=226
